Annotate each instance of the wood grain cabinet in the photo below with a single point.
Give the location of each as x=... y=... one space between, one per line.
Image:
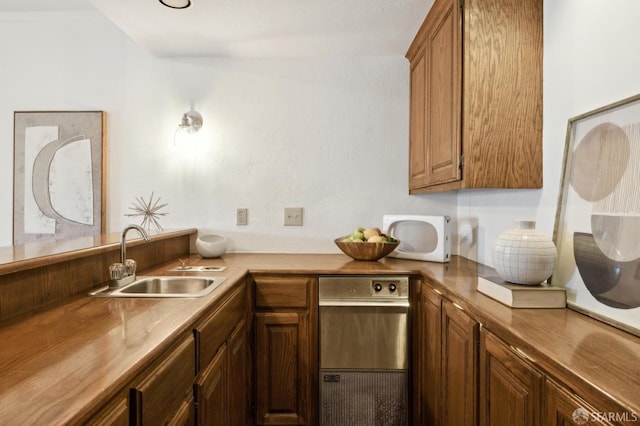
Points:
x=428 y=337
x=212 y=391
x=286 y=350
x=164 y=394
x=562 y=408
x=114 y=413
x=447 y=362
x=476 y=96
x=469 y=375
x=510 y=387
x=459 y=366
x=222 y=388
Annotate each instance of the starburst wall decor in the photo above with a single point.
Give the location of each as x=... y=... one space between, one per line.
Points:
x=149 y=210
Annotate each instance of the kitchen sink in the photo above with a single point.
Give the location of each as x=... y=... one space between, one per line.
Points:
x=163 y=286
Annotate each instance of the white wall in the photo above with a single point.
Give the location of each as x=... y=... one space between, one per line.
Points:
x=326 y=134
x=590 y=60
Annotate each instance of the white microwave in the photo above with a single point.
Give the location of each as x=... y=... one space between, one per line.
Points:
x=421 y=237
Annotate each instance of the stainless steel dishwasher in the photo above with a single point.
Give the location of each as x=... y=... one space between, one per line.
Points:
x=364 y=356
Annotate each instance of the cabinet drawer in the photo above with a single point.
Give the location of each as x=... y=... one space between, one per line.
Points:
x=279 y=292
x=163 y=389
x=211 y=333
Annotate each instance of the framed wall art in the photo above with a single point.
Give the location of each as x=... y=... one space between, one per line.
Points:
x=597 y=228
x=59 y=175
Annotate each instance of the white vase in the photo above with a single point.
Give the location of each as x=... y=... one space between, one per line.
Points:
x=523 y=255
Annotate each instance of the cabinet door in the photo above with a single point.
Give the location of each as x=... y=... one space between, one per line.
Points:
x=417 y=147
x=503 y=93
x=211 y=392
x=459 y=366
x=163 y=390
x=564 y=408
x=115 y=413
x=239 y=385
x=281 y=368
x=184 y=416
x=430 y=347
x=510 y=388
x=443 y=95
x=286 y=354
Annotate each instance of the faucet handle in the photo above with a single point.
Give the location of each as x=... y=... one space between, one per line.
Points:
x=183 y=264
x=117 y=271
x=130 y=267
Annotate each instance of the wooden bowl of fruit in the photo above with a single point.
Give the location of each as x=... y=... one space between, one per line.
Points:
x=367 y=244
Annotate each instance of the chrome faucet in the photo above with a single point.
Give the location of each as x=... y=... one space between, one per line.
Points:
x=124 y=272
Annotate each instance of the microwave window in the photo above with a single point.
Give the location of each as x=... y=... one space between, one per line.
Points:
x=415 y=236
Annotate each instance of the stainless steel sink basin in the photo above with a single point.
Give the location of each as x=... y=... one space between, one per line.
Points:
x=164 y=286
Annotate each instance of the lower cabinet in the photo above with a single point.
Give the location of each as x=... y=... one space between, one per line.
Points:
x=448 y=358
x=428 y=336
x=470 y=375
x=203 y=379
x=222 y=387
x=286 y=350
x=114 y=413
x=222 y=390
x=459 y=366
x=240 y=389
x=510 y=387
x=212 y=391
x=564 y=408
x=164 y=391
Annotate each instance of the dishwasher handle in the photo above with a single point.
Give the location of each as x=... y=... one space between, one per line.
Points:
x=402 y=303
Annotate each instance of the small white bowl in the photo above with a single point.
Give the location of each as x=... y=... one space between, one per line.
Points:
x=211 y=245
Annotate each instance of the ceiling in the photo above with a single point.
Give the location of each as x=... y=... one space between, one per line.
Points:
x=257 y=28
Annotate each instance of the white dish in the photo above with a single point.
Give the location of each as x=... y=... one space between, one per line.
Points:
x=211 y=245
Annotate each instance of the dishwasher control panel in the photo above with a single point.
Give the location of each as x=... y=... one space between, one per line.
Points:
x=386 y=288
x=366 y=287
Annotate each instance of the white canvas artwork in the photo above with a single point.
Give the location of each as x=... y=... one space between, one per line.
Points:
x=58 y=175
x=598 y=222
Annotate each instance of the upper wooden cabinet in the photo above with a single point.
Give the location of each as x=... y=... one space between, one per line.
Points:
x=476 y=96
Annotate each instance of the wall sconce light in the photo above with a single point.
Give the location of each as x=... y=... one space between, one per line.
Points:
x=189 y=126
x=176 y=4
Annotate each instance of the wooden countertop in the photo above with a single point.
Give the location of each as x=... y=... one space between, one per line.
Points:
x=58 y=364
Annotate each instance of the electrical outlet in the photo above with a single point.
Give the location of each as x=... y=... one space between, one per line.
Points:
x=242 y=216
x=293 y=216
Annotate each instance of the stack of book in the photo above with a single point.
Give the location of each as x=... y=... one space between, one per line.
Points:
x=522 y=296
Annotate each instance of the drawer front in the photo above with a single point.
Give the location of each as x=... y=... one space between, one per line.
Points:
x=211 y=333
x=282 y=292
x=164 y=388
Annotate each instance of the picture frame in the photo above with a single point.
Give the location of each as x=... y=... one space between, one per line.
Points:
x=597 y=225
x=59 y=175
